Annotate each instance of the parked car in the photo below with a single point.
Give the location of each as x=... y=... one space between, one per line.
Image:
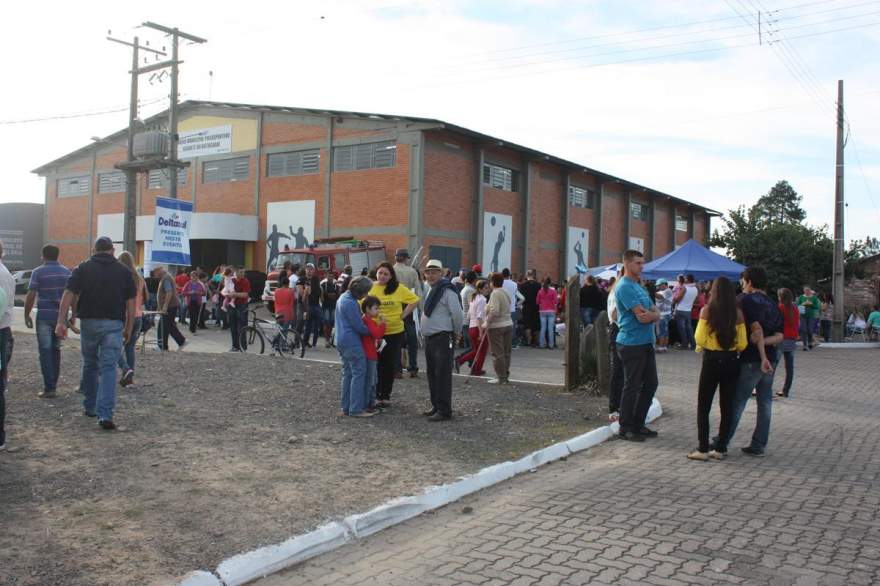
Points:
x=22 y=280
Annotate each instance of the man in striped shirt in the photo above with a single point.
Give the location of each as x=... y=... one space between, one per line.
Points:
x=46 y=288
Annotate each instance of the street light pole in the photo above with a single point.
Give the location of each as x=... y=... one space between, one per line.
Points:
x=838 y=274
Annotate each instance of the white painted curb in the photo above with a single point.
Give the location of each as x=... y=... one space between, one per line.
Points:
x=259 y=563
x=245 y=567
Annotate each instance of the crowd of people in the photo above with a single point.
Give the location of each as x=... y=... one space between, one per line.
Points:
x=376 y=320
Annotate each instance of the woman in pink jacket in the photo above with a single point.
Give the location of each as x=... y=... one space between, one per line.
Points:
x=547 y=301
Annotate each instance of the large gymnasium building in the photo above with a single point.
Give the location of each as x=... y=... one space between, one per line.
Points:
x=459 y=195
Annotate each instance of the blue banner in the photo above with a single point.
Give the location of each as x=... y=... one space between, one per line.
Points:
x=171 y=232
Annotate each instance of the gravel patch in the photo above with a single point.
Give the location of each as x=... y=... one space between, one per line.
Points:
x=222 y=453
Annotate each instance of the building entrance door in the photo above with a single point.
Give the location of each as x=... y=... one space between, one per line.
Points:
x=209 y=254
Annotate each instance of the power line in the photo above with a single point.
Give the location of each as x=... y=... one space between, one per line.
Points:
x=77 y=115
x=659 y=37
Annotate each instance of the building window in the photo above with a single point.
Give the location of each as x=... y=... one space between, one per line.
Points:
x=580 y=197
x=293 y=163
x=112 y=182
x=639 y=211
x=235 y=169
x=637 y=244
x=161 y=178
x=356 y=157
x=74 y=186
x=681 y=223
x=501 y=177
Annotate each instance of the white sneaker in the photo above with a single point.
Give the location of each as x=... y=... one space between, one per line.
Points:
x=612 y=417
x=494 y=381
x=2 y=447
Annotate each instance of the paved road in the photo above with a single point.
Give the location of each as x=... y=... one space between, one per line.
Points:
x=643 y=514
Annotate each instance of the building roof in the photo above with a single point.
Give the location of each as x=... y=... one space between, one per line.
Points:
x=440 y=124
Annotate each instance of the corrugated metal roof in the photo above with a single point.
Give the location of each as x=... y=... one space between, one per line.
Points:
x=190 y=104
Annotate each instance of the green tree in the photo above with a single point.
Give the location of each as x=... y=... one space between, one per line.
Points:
x=780 y=205
x=859 y=249
x=772 y=234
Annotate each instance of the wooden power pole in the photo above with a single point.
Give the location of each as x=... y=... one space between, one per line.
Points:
x=837 y=278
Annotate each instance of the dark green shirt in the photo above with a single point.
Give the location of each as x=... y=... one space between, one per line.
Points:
x=811 y=306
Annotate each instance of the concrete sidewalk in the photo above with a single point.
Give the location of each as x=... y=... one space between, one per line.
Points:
x=622 y=513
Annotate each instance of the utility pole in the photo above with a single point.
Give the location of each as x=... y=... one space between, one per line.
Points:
x=837 y=278
x=129 y=221
x=176 y=35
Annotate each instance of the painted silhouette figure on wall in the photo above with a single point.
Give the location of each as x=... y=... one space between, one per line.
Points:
x=300 y=240
x=273 y=241
x=499 y=242
x=579 y=252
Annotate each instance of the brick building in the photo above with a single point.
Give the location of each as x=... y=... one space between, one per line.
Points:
x=299 y=174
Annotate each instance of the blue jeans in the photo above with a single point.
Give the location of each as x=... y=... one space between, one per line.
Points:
x=371 y=379
x=663 y=326
x=548 y=329
x=411 y=339
x=751 y=377
x=589 y=315
x=126 y=358
x=313 y=325
x=789 y=369
x=354 y=373
x=685 y=326
x=50 y=354
x=5 y=355
x=328 y=314
x=101 y=345
x=807 y=325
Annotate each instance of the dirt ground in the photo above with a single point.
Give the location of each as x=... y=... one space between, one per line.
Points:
x=222 y=453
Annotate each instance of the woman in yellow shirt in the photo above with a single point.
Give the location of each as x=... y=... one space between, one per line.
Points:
x=397 y=303
x=720 y=336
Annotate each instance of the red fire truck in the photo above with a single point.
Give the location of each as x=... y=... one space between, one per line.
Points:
x=331 y=254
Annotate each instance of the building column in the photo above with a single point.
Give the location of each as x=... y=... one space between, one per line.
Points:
x=673 y=214
x=92 y=189
x=691 y=218
x=649 y=250
x=563 y=265
x=478 y=209
x=416 y=210
x=597 y=221
x=527 y=211
x=328 y=173
x=627 y=218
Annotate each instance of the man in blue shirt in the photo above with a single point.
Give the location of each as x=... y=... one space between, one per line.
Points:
x=764 y=323
x=46 y=288
x=636 y=315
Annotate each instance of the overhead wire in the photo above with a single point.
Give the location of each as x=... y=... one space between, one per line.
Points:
x=83 y=114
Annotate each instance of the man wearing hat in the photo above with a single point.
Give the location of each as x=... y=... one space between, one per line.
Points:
x=409 y=277
x=663 y=297
x=441 y=324
x=102 y=290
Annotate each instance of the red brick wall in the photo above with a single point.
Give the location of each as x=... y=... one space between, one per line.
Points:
x=506 y=202
x=614 y=210
x=73 y=254
x=545 y=224
x=450 y=185
x=292 y=132
x=231 y=197
x=662 y=227
x=377 y=197
x=681 y=237
x=68 y=216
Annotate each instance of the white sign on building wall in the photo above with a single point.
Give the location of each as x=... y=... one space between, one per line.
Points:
x=578 y=250
x=205 y=141
x=637 y=244
x=497 y=242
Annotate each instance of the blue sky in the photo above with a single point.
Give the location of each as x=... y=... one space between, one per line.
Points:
x=571 y=78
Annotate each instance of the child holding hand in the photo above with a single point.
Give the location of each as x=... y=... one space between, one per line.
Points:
x=372 y=344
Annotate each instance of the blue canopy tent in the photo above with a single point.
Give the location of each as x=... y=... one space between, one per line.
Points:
x=692 y=258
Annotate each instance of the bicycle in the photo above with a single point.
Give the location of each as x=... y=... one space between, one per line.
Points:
x=262 y=332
